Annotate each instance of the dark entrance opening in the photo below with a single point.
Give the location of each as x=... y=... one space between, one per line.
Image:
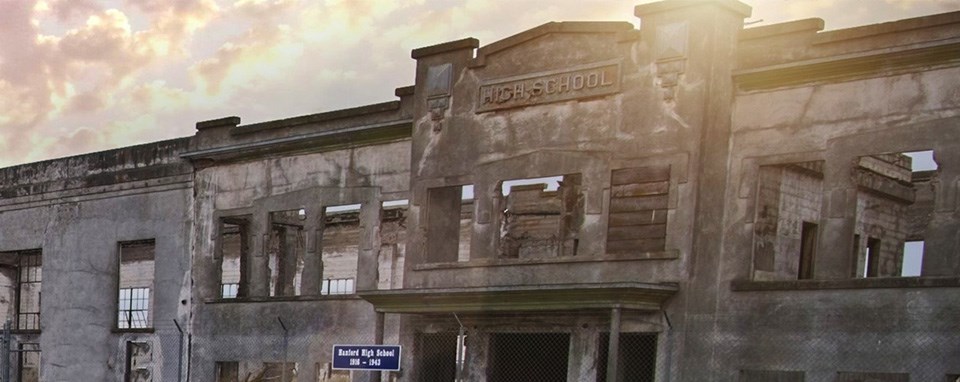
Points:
x=638 y=357
x=528 y=357
x=437 y=357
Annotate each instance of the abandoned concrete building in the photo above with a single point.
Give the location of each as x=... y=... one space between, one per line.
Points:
x=690 y=200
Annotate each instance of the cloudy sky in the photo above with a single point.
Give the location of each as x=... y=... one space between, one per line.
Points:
x=85 y=75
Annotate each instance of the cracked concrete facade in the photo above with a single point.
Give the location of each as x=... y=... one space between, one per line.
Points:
x=735 y=202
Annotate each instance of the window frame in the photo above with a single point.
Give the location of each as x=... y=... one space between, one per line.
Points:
x=21 y=261
x=130 y=310
x=118 y=289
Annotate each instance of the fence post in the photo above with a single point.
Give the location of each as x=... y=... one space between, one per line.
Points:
x=613 y=347
x=283 y=369
x=5 y=352
x=180 y=358
x=376 y=376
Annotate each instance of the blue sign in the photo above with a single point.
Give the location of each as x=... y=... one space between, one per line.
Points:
x=366 y=357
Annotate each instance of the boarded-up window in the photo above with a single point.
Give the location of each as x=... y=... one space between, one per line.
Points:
x=639 y=198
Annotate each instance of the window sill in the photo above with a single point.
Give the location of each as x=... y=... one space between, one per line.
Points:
x=861 y=283
x=479 y=263
x=24 y=331
x=138 y=330
x=351 y=296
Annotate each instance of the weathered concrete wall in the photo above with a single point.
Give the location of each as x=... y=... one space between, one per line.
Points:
x=279 y=178
x=837 y=323
x=77 y=211
x=483 y=143
x=693 y=154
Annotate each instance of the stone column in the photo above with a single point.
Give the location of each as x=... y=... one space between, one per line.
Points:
x=367 y=264
x=838 y=215
x=942 y=236
x=259 y=280
x=313 y=256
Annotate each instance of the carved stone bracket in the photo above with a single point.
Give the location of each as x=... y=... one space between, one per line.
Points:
x=439 y=80
x=671 y=52
x=668 y=74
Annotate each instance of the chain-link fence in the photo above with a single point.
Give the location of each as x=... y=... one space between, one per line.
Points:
x=527 y=350
x=157 y=354
x=275 y=354
x=856 y=355
x=585 y=355
x=533 y=356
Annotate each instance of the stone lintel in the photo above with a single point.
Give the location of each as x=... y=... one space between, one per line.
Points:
x=522 y=298
x=854 y=283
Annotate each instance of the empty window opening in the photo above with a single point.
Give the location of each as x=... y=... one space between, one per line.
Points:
x=639 y=199
x=135 y=297
x=912 y=258
x=20 y=279
x=466 y=192
x=449 y=223
x=808 y=246
x=531 y=357
x=286 y=252
x=551 y=183
x=336 y=286
x=872 y=258
x=233 y=251
x=139 y=356
x=541 y=217
x=436 y=356
x=29 y=361
x=922 y=161
x=856 y=254
x=393 y=238
x=341 y=248
x=637 y=361
x=788 y=200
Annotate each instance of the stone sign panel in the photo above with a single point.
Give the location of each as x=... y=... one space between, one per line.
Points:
x=583 y=81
